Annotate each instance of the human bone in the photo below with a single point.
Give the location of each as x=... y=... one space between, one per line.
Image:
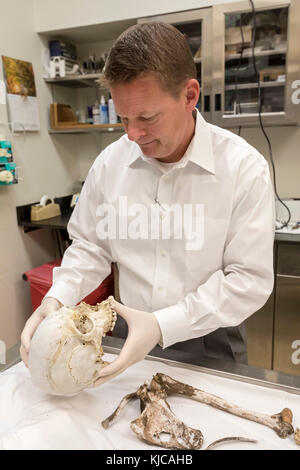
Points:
x=158 y=425
x=65 y=355
x=280 y=422
x=297 y=436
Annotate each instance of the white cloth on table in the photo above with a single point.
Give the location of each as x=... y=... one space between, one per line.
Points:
x=31 y=419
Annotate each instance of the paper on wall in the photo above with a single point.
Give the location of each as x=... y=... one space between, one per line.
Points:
x=2 y=92
x=23 y=112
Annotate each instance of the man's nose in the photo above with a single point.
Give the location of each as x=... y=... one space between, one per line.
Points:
x=135 y=131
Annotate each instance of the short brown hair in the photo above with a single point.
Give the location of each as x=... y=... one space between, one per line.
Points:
x=156 y=48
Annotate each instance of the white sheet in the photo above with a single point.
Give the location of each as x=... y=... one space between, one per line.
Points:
x=31 y=419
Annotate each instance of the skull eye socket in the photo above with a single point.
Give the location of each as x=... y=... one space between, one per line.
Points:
x=83 y=324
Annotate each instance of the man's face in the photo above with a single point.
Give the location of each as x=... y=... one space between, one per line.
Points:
x=160 y=124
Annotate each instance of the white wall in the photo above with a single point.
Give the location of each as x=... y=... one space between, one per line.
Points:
x=285 y=143
x=60 y=14
x=49 y=165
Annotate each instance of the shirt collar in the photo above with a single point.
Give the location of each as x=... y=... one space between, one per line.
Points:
x=199 y=151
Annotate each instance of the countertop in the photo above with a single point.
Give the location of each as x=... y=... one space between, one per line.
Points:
x=287 y=237
x=61 y=222
x=58 y=222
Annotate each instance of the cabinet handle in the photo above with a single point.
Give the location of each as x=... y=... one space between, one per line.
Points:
x=289 y=276
x=207 y=103
x=218 y=102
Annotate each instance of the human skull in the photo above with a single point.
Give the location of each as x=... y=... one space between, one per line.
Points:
x=65 y=354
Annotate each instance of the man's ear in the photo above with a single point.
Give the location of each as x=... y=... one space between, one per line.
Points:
x=192 y=92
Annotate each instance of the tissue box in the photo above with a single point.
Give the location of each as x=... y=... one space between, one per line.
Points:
x=48 y=211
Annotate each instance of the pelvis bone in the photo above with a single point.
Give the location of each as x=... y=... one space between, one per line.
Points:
x=66 y=354
x=158 y=425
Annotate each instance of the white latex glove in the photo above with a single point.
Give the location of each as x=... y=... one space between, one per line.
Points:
x=48 y=305
x=143 y=334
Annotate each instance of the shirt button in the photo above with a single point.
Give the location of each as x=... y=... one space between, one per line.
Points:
x=160 y=289
x=163 y=254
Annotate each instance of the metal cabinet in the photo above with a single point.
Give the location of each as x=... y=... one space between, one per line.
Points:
x=260 y=330
x=260 y=335
x=274 y=330
x=196 y=25
x=287 y=310
x=235 y=86
x=242 y=84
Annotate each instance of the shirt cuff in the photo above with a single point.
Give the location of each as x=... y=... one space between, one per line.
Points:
x=173 y=325
x=63 y=292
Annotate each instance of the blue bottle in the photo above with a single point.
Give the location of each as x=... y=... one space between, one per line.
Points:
x=103 y=111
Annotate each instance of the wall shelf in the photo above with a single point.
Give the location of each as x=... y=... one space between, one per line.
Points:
x=76 y=81
x=246 y=86
x=86 y=128
x=258 y=53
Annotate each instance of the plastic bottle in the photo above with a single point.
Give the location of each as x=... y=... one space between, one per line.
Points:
x=89 y=115
x=96 y=113
x=103 y=111
x=111 y=112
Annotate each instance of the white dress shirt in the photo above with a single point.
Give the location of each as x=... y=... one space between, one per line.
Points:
x=192 y=292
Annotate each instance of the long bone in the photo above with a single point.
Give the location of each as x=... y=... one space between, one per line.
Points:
x=108 y=421
x=280 y=422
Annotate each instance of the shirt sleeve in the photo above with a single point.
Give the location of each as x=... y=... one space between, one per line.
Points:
x=233 y=293
x=87 y=261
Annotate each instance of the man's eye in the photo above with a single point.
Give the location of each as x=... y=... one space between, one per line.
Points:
x=148 y=119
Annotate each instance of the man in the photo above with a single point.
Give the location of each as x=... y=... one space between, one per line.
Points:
x=192 y=288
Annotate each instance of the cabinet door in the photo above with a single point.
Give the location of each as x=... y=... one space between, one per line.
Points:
x=287 y=325
x=287 y=310
x=196 y=25
x=260 y=330
x=242 y=84
x=260 y=335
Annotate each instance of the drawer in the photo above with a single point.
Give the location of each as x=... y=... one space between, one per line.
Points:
x=288 y=259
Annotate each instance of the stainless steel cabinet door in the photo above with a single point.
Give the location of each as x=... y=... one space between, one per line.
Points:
x=196 y=25
x=243 y=86
x=287 y=325
x=260 y=335
x=287 y=310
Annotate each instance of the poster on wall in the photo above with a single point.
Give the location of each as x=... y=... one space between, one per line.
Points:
x=21 y=94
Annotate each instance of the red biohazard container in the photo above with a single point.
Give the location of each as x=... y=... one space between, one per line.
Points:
x=40 y=280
